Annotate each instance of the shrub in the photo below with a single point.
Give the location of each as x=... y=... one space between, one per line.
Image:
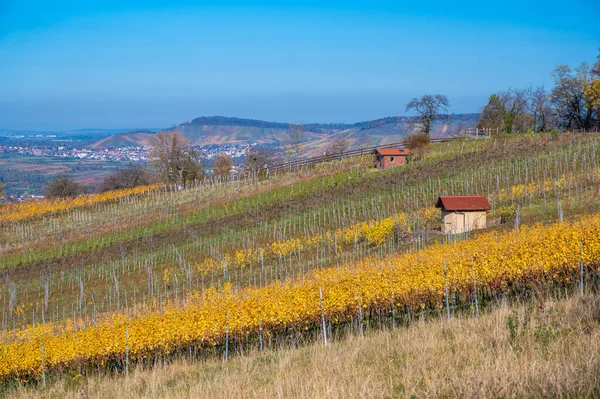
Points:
x=258 y=159
x=177 y=162
x=506 y=213
x=127 y=178
x=416 y=141
x=554 y=134
x=223 y=165
x=338 y=146
x=64 y=186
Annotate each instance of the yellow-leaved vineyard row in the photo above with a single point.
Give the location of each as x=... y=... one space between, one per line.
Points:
x=16 y=212
x=373 y=232
x=532 y=255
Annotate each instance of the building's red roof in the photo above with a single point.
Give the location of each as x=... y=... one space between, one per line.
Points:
x=463 y=203
x=392 y=151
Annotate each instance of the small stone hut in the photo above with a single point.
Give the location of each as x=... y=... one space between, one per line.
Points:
x=463 y=213
x=385 y=158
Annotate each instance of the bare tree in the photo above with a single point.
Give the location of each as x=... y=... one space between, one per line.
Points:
x=130 y=177
x=514 y=103
x=539 y=107
x=295 y=137
x=574 y=108
x=455 y=130
x=593 y=89
x=258 y=158
x=339 y=145
x=223 y=165
x=518 y=111
x=64 y=186
x=429 y=108
x=177 y=162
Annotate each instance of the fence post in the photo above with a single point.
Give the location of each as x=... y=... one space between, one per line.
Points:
x=322 y=316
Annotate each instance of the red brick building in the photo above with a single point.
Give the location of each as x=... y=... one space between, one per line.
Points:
x=385 y=158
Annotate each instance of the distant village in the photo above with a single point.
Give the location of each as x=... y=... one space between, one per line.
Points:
x=25 y=186
x=120 y=154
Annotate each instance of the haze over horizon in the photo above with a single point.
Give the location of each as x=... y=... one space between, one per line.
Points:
x=155 y=63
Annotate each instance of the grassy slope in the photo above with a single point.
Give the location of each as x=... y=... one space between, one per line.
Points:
x=547 y=348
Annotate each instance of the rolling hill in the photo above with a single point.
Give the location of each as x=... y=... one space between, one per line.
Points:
x=219 y=130
x=133 y=138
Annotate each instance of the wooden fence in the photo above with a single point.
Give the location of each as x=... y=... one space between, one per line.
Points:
x=346 y=154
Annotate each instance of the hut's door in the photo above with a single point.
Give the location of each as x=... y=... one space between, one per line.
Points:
x=460 y=223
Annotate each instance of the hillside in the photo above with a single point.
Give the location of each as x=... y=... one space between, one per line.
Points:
x=216 y=271
x=388 y=130
x=223 y=130
x=131 y=139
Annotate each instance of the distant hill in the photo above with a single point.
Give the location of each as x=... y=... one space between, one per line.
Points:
x=391 y=130
x=130 y=139
x=219 y=130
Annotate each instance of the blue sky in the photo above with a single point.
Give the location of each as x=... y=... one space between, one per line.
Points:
x=154 y=63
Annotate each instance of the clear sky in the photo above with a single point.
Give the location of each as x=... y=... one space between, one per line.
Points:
x=155 y=63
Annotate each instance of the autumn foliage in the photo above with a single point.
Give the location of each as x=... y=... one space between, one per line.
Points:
x=497 y=261
x=32 y=209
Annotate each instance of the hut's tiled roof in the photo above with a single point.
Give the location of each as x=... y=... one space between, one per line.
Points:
x=392 y=151
x=463 y=203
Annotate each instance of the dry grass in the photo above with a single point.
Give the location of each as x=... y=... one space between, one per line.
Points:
x=546 y=349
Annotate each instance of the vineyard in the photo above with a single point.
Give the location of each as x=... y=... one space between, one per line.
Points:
x=498 y=262
x=133 y=277
x=36 y=209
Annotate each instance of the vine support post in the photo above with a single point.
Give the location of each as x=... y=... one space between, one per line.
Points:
x=43 y=367
x=561 y=215
x=227 y=338
x=260 y=335
x=322 y=316
x=360 y=313
x=446 y=291
x=475 y=288
x=127 y=351
x=393 y=313
x=580 y=266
